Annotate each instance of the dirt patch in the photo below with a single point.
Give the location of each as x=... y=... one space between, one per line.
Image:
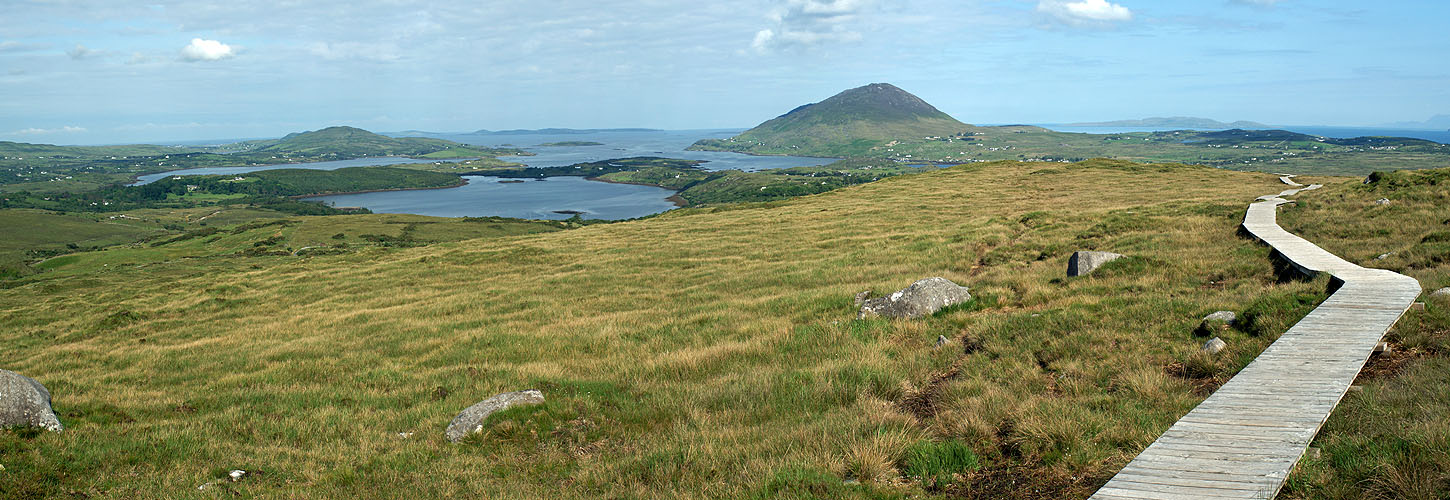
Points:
x=923 y=402
x=1024 y=482
x=1203 y=383
x=1386 y=365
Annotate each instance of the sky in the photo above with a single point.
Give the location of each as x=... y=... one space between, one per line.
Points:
x=116 y=71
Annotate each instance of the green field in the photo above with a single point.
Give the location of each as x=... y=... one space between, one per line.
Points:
x=712 y=352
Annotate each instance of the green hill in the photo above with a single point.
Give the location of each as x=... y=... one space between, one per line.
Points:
x=352 y=142
x=850 y=123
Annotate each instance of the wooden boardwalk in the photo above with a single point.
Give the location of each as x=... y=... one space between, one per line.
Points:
x=1243 y=440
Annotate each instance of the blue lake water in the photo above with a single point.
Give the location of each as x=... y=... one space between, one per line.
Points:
x=624 y=144
x=319 y=165
x=530 y=199
x=485 y=196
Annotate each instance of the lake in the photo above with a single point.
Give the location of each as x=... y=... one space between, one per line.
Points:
x=530 y=199
x=485 y=196
x=624 y=144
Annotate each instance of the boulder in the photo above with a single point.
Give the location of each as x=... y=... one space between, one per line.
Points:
x=861 y=298
x=941 y=340
x=1213 y=323
x=25 y=403
x=1086 y=261
x=1227 y=317
x=471 y=419
x=1214 y=345
x=1443 y=293
x=1382 y=201
x=922 y=298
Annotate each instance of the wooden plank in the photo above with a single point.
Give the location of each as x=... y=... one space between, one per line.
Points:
x=1242 y=441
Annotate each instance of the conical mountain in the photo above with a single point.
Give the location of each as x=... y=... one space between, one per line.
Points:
x=847 y=124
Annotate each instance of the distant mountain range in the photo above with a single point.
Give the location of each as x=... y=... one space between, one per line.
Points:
x=847 y=124
x=560 y=131
x=1437 y=122
x=1188 y=122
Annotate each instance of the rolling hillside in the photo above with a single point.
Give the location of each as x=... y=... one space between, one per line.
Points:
x=710 y=352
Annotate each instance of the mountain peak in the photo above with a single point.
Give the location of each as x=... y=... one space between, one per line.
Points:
x=877 y=101
x=847 y=124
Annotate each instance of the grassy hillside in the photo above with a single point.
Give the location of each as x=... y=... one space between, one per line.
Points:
x=704 y=353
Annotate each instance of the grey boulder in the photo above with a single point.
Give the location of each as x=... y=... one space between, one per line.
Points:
x=922 y=298
x=1214 y=345
x=471 y=419
x=1441 y=293
x=1084 y=262
x=25 y=403
x=1228 y=317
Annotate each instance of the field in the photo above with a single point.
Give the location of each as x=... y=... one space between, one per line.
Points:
x=713 y=352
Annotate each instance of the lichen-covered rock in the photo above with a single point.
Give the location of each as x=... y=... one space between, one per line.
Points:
x=1443 y=293
x=1227 y=316
x=471 y=419
x=922 y=298
x=1214 y=345
x=1084 y=262
x=25 y=403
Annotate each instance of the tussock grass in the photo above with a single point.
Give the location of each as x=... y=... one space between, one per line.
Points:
x=707 y=352
x=1392 y=438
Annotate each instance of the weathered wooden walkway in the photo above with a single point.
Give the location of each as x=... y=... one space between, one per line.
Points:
x=1243 y=440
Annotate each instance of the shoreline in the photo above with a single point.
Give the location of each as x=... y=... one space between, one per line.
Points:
x=674 y=198
x=461 y=182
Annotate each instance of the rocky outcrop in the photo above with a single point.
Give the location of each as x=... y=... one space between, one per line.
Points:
x=1084 y=262
x=922 y=298
x=25 y=403
x=1213 y=323
x=471 y=419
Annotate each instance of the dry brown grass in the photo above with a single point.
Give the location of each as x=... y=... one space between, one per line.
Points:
x=709 y=349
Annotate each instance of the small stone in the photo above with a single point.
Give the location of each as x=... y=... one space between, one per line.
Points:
x=25 y=403
x=405 y=435
x=236 y=475
x=471 y=419
x=941 y=340
x=1227 y=317
x=1382 y=201
x=862 y=297
x=1441 y=293
x=1384 y=256
x=1084 y=262
x=1214 y=345
x=923 y=298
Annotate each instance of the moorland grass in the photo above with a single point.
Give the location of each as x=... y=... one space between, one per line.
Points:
x=704 y=353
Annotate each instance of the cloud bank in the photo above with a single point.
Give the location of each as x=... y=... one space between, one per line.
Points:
x=805 y=23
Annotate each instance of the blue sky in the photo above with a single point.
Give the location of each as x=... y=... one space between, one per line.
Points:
x=110 y=71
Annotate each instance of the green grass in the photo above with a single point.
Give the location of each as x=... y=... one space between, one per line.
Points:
x=704 y=353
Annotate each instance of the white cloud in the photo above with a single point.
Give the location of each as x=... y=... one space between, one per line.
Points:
x=803 y=23
x=382 y=52
x=206 y=50
x=1084 y=12
x=44 y=131
x=80 y=52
